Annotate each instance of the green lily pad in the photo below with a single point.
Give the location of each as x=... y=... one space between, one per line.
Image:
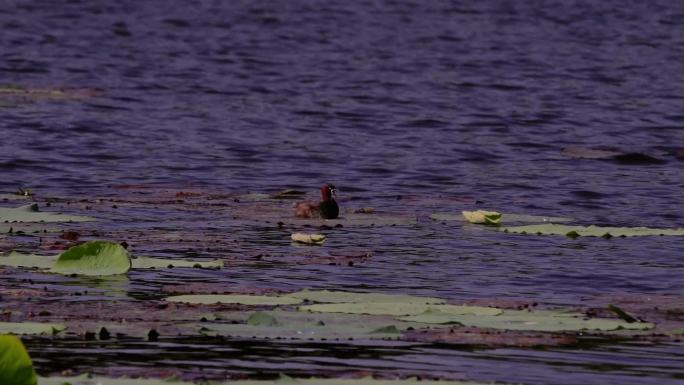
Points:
x=30 y=328
x=94 y=258
x=549 y=321
x=505 y=218
x=14 y=197
x=398 y=309
x=591 y=231
x=16 y=367
x=262 y=319
x=31 y=213
x=16 y=259
x=328 y=296
x=96 y=380
x=208 y=299
x=483 y=217
x=298 y=325
x=162 y=263
x=309 y=239
x=27 y=228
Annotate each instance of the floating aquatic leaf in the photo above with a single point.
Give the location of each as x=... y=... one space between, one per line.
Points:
x=351 y=381
x=31 y=213
x=14 y=197
x=94 y=258
x=163 y=263
x=97 y=380
x=310 y=239
x=16 y=367
x=523 y=320
x=483 y=217
x=591 y=231
x=398 y=309
x=207 y=299
x=30 y=328
x=105 y=330
x=301 y=325
x=505 y=218
x=262 y=319
x=328 y=296
x=16 y=259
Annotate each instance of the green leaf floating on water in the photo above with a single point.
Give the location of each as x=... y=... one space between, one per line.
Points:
x=94 y=258
x=398 y=309
x=591 y=231
x=16 y=259
x=96 y=380
x=300 y=325
x=549 y=321
x=483 y=217
x=208 y=299
x=16 y=367
x=262 y=319
x=505 y=218
x=309 y=239
x=35 y=328
x=163 y=263
x=31 y=213
x=328 y=296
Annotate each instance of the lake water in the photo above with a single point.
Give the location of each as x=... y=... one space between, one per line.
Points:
x=411 y=107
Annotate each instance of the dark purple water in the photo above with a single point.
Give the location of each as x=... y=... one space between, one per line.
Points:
x=444 y=102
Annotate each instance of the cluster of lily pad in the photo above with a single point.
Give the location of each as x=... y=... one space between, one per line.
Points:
x=308 y=315
x=337 y=314
x=98 y=258
x=551 y=225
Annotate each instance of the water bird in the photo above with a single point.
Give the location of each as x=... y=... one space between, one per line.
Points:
x=326 y=209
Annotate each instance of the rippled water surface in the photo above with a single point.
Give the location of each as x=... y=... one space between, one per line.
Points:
x=409 y=107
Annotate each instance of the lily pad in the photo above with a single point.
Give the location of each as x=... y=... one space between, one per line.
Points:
x=328 y=296
x=523 y=320
x=30 y=328
x=399 y=309
x=16 y=259
x=591 y=231
x=483 y=217
x=97 y=380
x=309 y=239
x=31 y=213
x=94 y=258
x=16 y=367
x=505 y=218
x=14 y=197
x=207 y=299
x=262 y=319
x=163 y=263
x=298 y=325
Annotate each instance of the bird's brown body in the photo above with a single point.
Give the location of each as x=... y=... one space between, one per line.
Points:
x=326 y=209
